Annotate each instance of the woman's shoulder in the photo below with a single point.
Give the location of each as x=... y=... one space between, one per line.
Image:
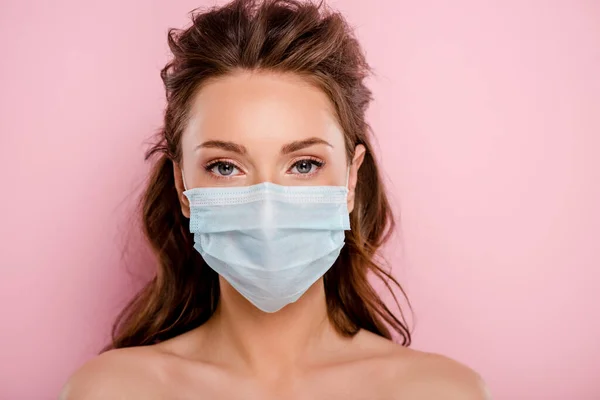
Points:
x=419 y=374
x=437 y=376
x=115 y=374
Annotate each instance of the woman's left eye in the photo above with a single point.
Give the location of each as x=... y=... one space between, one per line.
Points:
x=307 y=166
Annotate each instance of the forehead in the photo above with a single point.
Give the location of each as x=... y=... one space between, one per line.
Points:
x=262 y=107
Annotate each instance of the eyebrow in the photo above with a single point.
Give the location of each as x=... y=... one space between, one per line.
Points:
x=221 y=144
x=285 y=149
x=302 y=144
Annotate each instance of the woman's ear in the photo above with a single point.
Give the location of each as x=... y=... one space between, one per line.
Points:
x=183 y=201
x=357 y=160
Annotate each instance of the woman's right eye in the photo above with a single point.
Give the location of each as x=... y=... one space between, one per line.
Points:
x=223 y=169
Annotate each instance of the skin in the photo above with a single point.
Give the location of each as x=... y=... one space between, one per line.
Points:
x=241 y=352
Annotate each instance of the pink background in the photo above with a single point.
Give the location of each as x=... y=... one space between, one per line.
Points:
x=488 y=119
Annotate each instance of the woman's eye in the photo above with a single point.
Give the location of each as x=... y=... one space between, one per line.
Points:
x=223 y=168
x=304 y=167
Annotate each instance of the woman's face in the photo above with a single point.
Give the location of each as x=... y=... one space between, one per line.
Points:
x=251 y=127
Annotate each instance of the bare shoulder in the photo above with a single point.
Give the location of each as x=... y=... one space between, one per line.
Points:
x=433 y=376
x=115 y=374
x=422 y=375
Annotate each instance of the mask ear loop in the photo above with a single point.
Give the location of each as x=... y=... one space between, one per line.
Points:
x=183 y=179
x=347 y=176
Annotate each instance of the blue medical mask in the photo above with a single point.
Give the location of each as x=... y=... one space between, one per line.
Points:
x=270 y=242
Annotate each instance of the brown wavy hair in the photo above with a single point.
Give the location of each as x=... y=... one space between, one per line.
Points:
x=281 y=36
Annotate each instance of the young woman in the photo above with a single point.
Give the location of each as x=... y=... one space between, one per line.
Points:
x=265 y=209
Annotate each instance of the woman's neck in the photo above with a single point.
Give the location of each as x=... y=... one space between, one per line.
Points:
x=269 y=344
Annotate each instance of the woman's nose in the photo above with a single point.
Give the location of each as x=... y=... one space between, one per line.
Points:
x=266 y=173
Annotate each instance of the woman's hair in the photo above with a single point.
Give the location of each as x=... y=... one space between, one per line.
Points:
x=287 y=36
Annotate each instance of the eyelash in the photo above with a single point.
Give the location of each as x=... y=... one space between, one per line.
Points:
x=315 y=161
x=209 y=167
